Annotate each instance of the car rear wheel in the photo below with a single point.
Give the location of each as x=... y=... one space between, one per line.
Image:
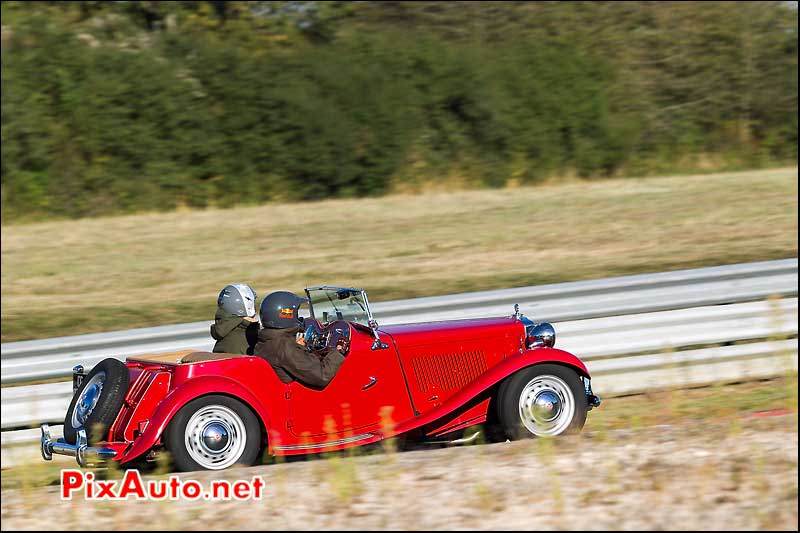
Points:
x=213 y=433
x=542 y=401
x=96 y=403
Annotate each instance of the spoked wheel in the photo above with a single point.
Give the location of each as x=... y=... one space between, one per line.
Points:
x=542 y=401
x=213 y=433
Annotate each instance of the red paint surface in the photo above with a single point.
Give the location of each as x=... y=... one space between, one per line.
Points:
x=345 y=405
x=441 y=358
x=432 y=377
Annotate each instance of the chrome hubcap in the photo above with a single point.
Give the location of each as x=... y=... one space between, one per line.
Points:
x=88 y=400
x=546 y=406
x=215 y=437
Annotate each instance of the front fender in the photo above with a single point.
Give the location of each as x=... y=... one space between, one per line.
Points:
x=180 y=396
x=554 y=355
x=493 y=376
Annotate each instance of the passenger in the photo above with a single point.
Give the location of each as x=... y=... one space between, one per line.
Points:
x=282 y=346
x=235 y=325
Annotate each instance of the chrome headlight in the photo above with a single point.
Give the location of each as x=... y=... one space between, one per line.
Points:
x=542 y=334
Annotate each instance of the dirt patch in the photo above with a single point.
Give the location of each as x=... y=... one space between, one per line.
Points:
x=686 y=477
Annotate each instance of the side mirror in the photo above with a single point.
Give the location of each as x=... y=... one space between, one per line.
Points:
x=377 y=344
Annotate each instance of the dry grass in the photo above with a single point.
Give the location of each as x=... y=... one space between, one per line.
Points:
x=74 y=277
x=702 y=462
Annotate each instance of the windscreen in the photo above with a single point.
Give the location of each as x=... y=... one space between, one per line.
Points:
x=332 y=303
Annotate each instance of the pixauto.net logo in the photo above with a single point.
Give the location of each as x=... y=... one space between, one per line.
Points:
x=75 y=483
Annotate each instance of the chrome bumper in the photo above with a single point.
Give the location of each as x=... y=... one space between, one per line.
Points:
x=81 y=451
x=591 y=398
x=594 y=401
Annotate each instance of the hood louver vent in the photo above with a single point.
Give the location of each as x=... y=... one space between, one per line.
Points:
x=447 y=371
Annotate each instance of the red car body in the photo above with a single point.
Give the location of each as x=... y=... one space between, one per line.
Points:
x=428 y=380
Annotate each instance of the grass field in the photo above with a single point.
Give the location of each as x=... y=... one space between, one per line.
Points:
x=72 y=277
x=707 y=458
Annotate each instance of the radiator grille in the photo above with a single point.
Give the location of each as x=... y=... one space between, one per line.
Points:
x=447 y=371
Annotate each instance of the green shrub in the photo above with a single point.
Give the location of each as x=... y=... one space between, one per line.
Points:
x=109 y=108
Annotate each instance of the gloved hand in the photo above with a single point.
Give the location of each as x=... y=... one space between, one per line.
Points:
x=300 y=339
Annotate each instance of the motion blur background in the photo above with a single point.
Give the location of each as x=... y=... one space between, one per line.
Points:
x=116 y=107
x=448 y=132
x=153 y=152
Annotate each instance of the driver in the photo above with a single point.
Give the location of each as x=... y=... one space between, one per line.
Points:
x=280 y=345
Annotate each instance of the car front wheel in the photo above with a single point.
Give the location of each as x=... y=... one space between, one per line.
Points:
x=542 y=401
x=213 y=433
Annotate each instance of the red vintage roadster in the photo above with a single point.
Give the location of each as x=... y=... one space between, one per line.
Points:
x=437 y=381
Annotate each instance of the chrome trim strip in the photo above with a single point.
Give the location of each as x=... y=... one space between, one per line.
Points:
x=328 y=444
x=466 y=440
x=330 y=287
x=372 y=381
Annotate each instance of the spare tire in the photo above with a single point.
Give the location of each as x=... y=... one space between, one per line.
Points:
x=96 y=403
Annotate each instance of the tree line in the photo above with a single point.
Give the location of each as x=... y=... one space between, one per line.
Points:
x=113 y=107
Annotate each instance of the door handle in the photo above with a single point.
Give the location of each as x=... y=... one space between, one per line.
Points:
x=372 y=381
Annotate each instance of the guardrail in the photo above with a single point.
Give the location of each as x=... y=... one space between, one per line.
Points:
x=626 y=295
x=635 y=333
x=624 y=354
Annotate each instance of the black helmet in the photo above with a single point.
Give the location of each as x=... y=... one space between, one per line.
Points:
x=279 y=310
x=238 y=299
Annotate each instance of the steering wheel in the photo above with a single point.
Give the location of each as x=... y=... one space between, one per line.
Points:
x=320 y=339
x=316 y=340
x=339 y=336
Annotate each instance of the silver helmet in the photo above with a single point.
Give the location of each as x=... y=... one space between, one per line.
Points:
x=238 y=299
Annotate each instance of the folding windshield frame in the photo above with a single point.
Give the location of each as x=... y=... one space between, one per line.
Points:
x=331 y=288
x=371 y=322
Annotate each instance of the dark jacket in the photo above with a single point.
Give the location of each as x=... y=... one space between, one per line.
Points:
x=233 y=333
x=292 y=361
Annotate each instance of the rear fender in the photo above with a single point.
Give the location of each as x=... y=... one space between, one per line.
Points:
x=490 y=378
x=180 y=396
